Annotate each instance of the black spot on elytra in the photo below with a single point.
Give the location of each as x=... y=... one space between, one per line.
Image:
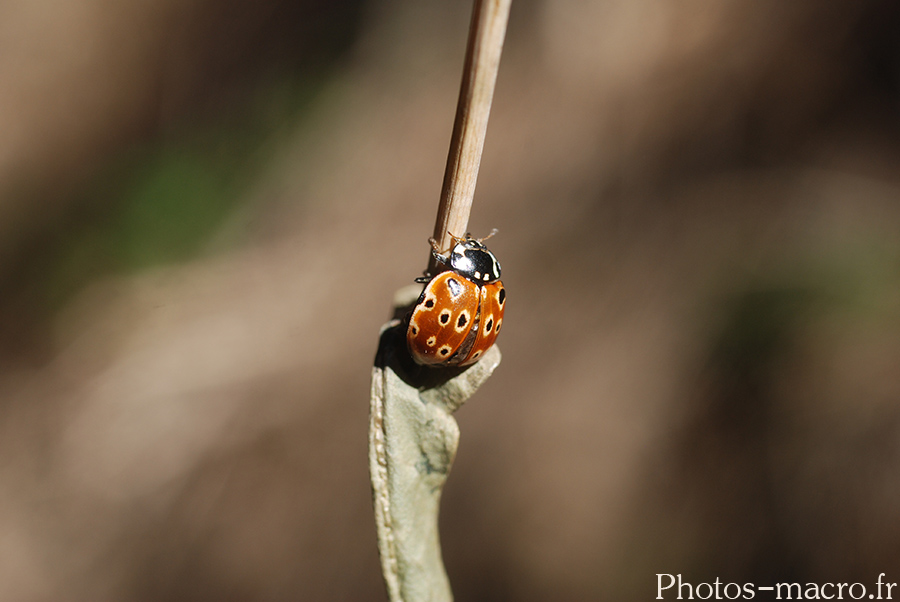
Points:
x=462 y=321
x=501 y=296
x=445 y=317
x=414 y=330
x=444 y=351
x=429 y=303
x=490 y=325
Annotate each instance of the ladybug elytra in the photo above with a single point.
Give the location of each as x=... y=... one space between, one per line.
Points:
x=459 y=313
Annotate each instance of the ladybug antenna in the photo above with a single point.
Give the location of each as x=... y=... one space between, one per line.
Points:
x=454 y=240
x=494 y=231
x=458 y=239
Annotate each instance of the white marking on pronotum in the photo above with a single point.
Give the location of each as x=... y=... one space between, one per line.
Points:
x=461 y=262
x=486 y=276
x=477 y=275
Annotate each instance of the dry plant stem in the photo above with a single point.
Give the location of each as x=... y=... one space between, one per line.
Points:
x=486 y=34
x=412 y=434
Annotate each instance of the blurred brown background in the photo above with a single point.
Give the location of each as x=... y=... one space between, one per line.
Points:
x=205 y=208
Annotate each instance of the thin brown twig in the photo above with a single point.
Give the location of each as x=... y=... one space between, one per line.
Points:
x=486 y=34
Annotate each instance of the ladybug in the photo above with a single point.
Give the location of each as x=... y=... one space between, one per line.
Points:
x=459 y=313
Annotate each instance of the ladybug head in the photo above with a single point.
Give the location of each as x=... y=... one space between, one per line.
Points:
x=470 y=258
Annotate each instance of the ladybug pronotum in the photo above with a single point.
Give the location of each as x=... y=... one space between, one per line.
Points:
x=459 y=313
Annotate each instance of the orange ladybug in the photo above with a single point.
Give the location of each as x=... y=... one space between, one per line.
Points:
x=459 y=313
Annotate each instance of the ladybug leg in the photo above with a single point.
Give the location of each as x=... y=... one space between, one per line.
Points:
x=437 y=252
x=439 y=258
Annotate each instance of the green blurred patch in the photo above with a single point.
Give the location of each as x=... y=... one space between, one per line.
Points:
x=163 y=201
x=851 y=285
x=178 y=198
